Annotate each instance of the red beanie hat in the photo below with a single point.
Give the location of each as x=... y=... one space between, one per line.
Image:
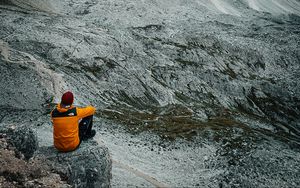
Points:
x=67 y=98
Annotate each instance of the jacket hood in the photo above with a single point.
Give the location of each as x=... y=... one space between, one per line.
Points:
x=62 y=108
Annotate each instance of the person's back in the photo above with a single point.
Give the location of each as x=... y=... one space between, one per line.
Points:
x=67 y=131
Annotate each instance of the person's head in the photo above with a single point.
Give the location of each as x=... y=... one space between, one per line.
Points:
x=67 y=99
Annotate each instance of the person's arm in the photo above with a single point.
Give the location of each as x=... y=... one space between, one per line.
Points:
x=84 y=112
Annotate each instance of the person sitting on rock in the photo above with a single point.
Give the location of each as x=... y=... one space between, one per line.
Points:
x=71 y=124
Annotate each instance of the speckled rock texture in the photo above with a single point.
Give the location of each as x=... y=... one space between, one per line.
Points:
x=88 y=166
x=143 y=56
x=220 y=74
x=18 y=168
x=22 y=138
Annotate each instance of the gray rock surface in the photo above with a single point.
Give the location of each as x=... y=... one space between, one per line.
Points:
x=137 y=56
x=88 y=166
x=18 y=168
x=23 y=138
x=220 y=72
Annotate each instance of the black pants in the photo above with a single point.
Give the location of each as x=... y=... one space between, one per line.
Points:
x=85 y=127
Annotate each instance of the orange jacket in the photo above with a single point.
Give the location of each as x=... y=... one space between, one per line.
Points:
x=66 y=126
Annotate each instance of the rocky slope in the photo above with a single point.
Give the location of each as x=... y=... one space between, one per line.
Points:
x=16 y=168
x=221 y=72
x=24 y=164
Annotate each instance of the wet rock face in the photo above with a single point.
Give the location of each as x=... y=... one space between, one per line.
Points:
x=88 y=166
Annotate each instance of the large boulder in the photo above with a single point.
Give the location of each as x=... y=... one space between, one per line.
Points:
x=17 y=168
x=23 y=138
x=88 y=166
